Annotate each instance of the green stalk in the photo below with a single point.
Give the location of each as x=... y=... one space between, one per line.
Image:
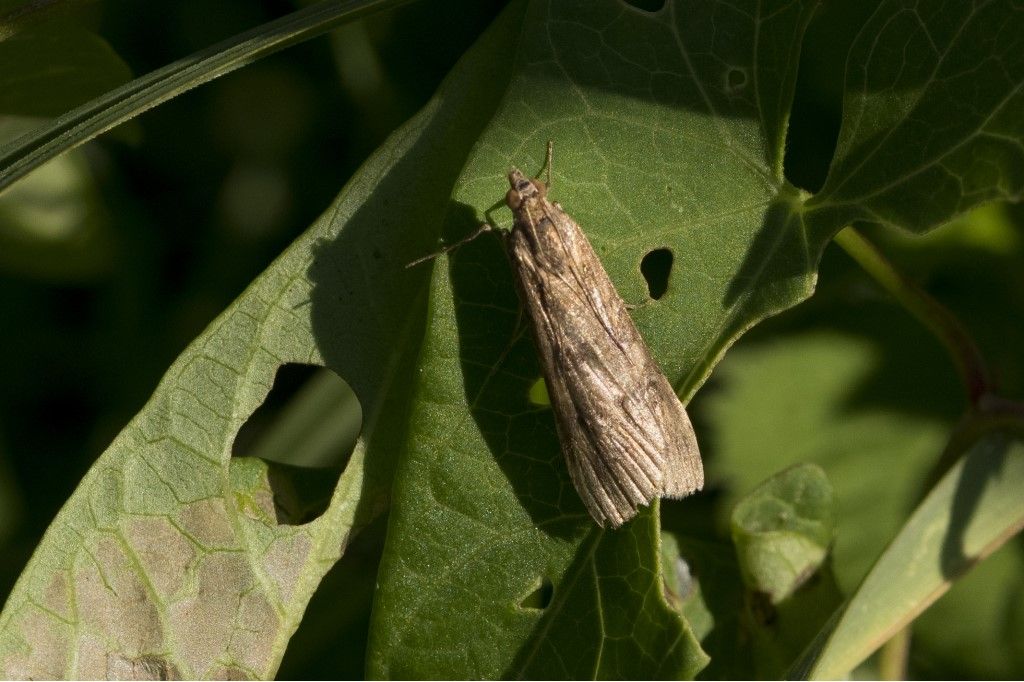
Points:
x=893 y=656
x=968 y=360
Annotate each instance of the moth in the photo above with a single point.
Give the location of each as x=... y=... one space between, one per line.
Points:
x=626 y=437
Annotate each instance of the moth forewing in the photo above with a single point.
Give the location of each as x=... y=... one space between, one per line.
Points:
x=624 y=433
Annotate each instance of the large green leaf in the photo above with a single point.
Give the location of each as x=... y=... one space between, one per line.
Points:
x=170 y=558
x=665 y=136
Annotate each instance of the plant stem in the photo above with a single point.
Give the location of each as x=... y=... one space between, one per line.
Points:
x=969 y=363
x=892 y=657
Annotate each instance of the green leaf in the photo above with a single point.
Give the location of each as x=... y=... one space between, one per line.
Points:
x=783 y=530
x=660 y=142
x=864 y=394
x=170 y=558
x=972 y=511
x=872 y=415
x=932 y=119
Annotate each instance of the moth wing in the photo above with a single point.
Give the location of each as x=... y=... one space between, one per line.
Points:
x=650 y=449
x=594 y=476
x=682 y=470
x=620 y=475
x=625 y=435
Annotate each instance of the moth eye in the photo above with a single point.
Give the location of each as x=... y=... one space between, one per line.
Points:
x=512 y=198
x=656 y=267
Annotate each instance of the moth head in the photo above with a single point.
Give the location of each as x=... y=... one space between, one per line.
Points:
x=522 y=188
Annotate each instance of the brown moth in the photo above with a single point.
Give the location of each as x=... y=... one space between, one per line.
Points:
x=624 y=433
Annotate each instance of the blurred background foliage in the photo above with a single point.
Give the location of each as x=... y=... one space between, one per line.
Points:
x=113 y=258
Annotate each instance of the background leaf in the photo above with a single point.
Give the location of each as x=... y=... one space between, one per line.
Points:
x=969 y=514
x=49 y=69
x=783 y=530
x=852 y=384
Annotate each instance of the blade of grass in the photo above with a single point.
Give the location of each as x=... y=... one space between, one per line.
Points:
x=974 y=509
x=122 y=104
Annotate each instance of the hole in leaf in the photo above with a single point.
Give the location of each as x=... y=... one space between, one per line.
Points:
x=538 y=393
x=304 y=432
x=540 y=596
x=735 y=79
x=647 y=5
x=656 y=268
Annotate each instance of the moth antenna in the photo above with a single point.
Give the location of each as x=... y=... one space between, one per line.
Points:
x=547 y=162
x=484 y=227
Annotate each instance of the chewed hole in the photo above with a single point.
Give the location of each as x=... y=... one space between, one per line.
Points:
x=540 y=597
x=538 y=393
x=735 y=79
x=647 y=5
x=305 y=431
x=656 y=268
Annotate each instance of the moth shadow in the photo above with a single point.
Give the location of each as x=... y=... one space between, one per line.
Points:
x=501 y=372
